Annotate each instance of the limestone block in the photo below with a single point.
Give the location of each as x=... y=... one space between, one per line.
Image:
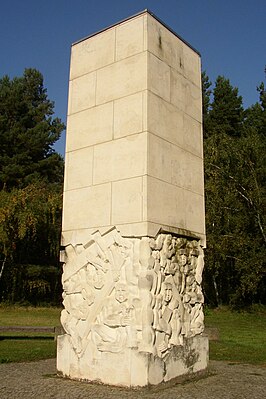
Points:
x=78 y=169
x=92 y=53
x=160 y=158
x=158 y=77
x=192 y=66
x=82 y=93
x=192 y=136
x=173 y=51
x=87 y=207
x=103 y=370
x=165 y=45
x=187 y=171
x=129 y=38
x=138 y=369
x=134 y=229
x=89 y=127
x=129 y=115
x=174 y=165
x=188 y=359
x=63 y=351
x=195 y=211
x=120 y=159
x=172 y=206
x=127 y=201
x=165 y=203
x=122 y=78
x=156 y=371
x=164 y=119
x=169 y=122
x=125 y=229
x=186 y=96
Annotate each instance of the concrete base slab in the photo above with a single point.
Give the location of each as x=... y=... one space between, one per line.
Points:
x=131 y=368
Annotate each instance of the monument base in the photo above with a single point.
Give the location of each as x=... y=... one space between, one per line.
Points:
x=130 y=367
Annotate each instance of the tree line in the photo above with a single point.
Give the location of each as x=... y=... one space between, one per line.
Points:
x=31 y=184
x=31 y=177
x=235 y=166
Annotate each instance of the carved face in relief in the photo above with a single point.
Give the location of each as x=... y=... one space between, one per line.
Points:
x=121 y=293
x=182 y=256
x=168 y=293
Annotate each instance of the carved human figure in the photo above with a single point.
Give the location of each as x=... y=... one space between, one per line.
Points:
x=163 y=318
x=145 y=295
x=184 y=267
x=186 y=316
x=197 y=319
x=146 y=280
x=167 y=251
x=199 y=268
x=116 y=330
x=176 y=326
x=77 y=299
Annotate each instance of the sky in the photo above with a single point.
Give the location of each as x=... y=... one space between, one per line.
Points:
x=229 y=34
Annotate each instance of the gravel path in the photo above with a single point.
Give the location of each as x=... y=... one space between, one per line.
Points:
x=39 y=380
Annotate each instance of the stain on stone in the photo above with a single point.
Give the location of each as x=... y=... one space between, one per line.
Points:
x=160 y=41
x=190 y=356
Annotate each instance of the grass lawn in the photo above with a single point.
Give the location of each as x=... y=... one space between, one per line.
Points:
x=32 y=348
x=242 y=335
x=29 y=316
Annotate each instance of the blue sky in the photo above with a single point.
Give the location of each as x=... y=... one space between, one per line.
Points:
x=230 y=35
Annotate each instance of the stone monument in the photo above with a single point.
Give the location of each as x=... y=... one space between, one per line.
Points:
x=133 y=213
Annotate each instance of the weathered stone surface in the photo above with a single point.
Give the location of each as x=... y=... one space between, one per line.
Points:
x=122 y=78
x=90 y=55
x=97 y=211
x=133 y=213
x=158 y=77
x=127 y=201
x=120 y=159
x=89 y=127
x=78 y=173
x=136 y=303
x=135 y=113
x=130 y=38
x=129 y=115
x=82 y=93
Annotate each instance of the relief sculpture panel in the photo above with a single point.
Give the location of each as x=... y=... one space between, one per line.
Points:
x=138 y=293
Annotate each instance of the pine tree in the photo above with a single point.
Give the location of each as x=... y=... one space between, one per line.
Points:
x=28 y=132
x=226 y=111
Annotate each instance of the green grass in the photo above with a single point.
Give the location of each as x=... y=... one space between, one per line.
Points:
x=18 y=350
x=26 y=350
x=29 y=316
x=242 y=335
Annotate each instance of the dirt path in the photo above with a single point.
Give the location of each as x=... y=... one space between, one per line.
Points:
x=224 y=380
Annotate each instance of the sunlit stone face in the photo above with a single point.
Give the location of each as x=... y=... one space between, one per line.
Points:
x=121 y=293
x=168 y=293
x=133 y=211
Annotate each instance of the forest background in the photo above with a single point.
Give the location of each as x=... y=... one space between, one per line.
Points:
x=31 y=185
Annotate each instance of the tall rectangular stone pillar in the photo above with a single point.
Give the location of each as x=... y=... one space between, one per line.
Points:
x=133 y=213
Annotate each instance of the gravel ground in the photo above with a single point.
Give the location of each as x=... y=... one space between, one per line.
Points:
x=223 y=380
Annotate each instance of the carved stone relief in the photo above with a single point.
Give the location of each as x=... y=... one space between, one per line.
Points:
x=132 y=293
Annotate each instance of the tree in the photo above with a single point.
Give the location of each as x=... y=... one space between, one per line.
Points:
x=235 y=198
x=31 y=175
x=30 y=223
x=226 y=111
x=28 y=132
x=206 y=101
